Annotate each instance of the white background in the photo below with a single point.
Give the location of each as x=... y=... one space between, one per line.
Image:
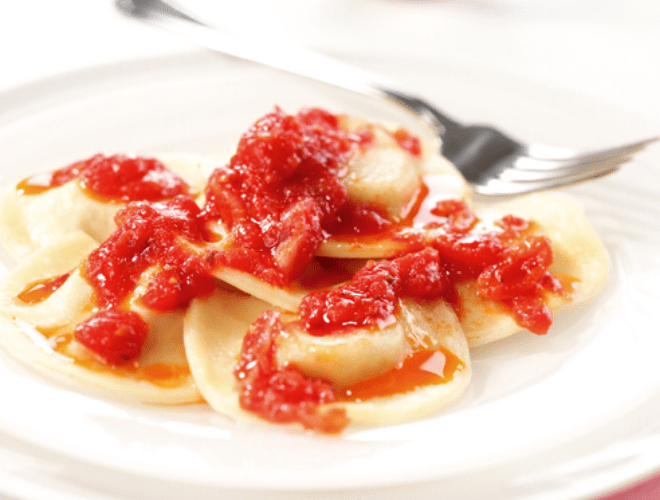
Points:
x=606 y=49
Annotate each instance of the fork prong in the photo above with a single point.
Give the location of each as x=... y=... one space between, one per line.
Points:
x=553 y=154
x=562 y=170
x=507 y=187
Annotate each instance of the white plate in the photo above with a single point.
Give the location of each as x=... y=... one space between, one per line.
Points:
x=568 y=415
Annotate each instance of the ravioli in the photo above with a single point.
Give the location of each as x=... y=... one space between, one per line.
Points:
x=403 y=186
x=214 y=335
x=331 y=272
x=580 y=260
x=33 y=220
x=39 y=331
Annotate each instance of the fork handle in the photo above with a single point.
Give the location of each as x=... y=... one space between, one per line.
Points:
x=281 y=55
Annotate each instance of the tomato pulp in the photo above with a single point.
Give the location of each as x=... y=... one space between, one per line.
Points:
x=116 y=177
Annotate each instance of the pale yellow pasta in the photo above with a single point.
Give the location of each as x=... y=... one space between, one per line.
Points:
x=30 y=222
x=214 y=333
x=579 y=256
x=40 y=334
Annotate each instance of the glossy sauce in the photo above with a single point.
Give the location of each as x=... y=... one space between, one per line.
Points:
x=325 y=272
x=408 y=141
x=281 y=394
x=114 y=335
x=369 y=299
x=509 y=263
x=36 y=184
x=40 y=290
x=419 y=369
x=152 y=236
x=117 y=177
x=279 y=191
x=166 y=375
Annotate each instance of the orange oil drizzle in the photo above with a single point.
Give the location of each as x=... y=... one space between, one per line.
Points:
x=419 y=369
x=568 y=282
x=36 y=184
x=167 y=375
x=40 y=290
x=414 y=206
x=164 y=374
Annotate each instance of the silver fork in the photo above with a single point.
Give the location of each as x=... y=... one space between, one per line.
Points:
x=493 y=163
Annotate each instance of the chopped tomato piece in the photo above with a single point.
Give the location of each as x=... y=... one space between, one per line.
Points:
x=117 y=177
x=370 y=297
x=522 y=266
x=115 y=336
x=282 y=394
x=149 y=235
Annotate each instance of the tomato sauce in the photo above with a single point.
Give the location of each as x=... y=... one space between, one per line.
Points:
x=509 y=262
x=156 y=236
x=164 y=374
x=408 y=141
x=509 y=265
x=282 y=394
x=282 y=193
x=279 y=190
x=369 y=298
x=115 y=336
x=167 y=375
x=117 y=177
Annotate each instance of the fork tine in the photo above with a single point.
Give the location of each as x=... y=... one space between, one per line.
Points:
x=550 y=153
x=561 y=170
x=505 y=187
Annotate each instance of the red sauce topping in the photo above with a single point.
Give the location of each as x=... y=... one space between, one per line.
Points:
x=282 y=394
x=369 y=298
x=117 y=177
x=358 y=220
x=167 y=375
x=509 y=266
x=518 y=269
x=282 y=191
x=157 y=235
x=115 y=336
x=164 y=374
x=408 y=141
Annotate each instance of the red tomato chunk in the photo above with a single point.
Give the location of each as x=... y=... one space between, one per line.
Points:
x=158 y=235
x=115 y=336
x=509 y=267
x=518 y=270
x=369 y=298
x=122 y=177
x=282 y=394
x=408 y=141
x=281 y=191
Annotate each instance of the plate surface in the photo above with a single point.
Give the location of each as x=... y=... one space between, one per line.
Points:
x=564 y=416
